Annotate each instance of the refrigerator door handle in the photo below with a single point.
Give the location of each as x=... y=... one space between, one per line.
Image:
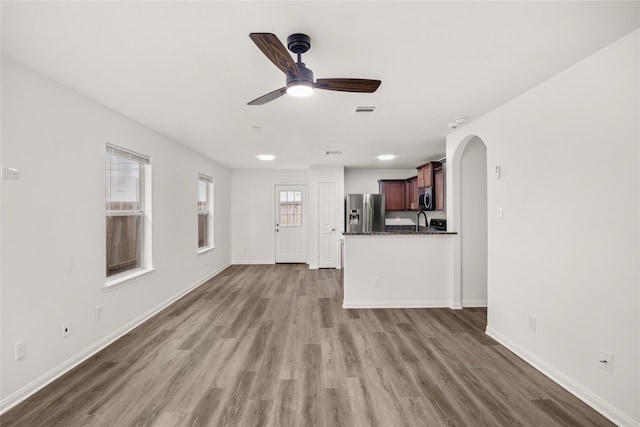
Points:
x=365 y=216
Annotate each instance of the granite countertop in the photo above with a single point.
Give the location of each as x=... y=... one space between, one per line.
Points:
x=394 y=230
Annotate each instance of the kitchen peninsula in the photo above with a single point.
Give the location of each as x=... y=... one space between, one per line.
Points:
x=399 y=268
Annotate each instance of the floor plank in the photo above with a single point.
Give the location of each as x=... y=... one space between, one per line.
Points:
x=271 y=345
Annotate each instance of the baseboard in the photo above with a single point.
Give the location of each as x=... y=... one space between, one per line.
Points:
x=455 y=305
x=252 y=262
x=395 y=304
x=475 y=303
x=573 y=387
x=44 y=380
x=317 y=267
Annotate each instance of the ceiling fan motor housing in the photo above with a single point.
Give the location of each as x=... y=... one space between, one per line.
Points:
x=298 y=43
x=306 y=75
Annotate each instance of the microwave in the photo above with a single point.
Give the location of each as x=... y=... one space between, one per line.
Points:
x=425 y=199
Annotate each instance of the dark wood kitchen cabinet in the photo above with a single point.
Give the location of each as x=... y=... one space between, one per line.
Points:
x=411 y=194
x=394 y=194
x=425 y=174
x=400 y=194
x=439 y=191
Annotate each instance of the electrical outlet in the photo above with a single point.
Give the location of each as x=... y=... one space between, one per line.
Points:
x=98 y=312
x=497 y=171
x=533 y=323
x=65 y=330
x=606 y=361
x=499 y=212
x=20 y=350
x=376 y=282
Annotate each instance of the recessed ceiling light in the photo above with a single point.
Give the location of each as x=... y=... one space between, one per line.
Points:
x=386 y=157
x=266 y=157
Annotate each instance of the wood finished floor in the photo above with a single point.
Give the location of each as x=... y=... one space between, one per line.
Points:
x=271 y=346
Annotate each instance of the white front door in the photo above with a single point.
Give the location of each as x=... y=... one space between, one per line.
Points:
x=291 y=227
x=327 y=229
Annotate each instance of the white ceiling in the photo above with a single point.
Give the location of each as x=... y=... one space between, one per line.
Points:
x=188 y=69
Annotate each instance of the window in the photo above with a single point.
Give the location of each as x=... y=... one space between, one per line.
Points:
x=290 y=209
x=128 y=208
x=205 y=212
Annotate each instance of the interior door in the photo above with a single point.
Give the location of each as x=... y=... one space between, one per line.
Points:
x=291 y=227
x=327 y=242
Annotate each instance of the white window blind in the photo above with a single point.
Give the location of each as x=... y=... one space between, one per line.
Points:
x=126 y=154
x=125 y=181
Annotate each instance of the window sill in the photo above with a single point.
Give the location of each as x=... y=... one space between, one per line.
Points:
x=126 y=278
x=205 y=249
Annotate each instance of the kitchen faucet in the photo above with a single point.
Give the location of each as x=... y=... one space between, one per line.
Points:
x=426 y=223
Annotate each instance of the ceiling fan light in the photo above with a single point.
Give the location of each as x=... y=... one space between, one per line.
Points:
x=299 y=89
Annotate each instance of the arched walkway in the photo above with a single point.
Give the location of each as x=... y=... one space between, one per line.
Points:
x=467 y=214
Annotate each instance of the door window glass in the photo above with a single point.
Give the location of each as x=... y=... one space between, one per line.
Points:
x=290 y=209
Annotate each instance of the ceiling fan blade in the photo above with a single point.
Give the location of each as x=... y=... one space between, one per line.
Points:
x=348 y=85
x=269 y=97
x=273 y=48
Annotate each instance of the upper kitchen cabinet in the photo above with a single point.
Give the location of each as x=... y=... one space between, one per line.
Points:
x=400 y=194
x=439 y=191
x=425 y=174
x=394 y=193
x=411 y=194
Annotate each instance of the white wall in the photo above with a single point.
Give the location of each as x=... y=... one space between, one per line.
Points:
x=53 y=228
x=568 y=149
x=357 y=181
x=253 y=212
x=473 y=224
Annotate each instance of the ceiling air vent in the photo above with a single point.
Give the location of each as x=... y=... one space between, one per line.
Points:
x=365 y=109
x=333 y=153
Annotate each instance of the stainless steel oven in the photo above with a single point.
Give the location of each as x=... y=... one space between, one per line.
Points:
x=425 y=198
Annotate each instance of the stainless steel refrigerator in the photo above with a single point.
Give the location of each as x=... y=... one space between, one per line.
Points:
x=364 y=213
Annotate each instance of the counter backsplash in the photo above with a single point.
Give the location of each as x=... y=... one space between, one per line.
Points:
x=398 y=218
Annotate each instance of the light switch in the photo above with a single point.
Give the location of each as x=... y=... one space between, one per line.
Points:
x=497 y=171
x=499 y=212
x=20 y=350
x=10 y=173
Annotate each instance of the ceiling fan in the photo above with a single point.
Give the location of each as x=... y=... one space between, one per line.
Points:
x=300 y=78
